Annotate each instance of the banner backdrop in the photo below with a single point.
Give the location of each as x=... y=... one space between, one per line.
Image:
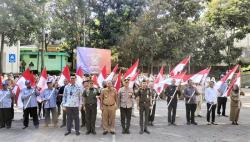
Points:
x=92 y=60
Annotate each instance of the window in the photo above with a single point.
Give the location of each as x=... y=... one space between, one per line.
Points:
x=33 y=56
x=52 y=56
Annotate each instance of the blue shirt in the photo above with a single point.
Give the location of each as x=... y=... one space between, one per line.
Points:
x=5 y=99
x=27 y=94
x=50 y=96
x=72 y=96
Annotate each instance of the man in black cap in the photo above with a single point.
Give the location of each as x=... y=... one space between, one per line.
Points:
x=143 y=104
x=90 y=105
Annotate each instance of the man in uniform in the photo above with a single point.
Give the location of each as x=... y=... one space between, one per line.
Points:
x=29 y=99
x=190 y=93
x=72 y=101
x=85 y=84
x=172 y=92
x=90 y=105
x=152 y=109
x=108 y=99
x=59 y=102
x=49 y=98
x=125 y=101
x=5 y=106
x=143 y=104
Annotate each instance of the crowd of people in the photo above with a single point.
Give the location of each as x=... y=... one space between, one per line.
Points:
x=72 y=99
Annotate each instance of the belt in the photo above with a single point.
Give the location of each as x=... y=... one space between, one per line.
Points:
x=108 y=105
x=90 y=104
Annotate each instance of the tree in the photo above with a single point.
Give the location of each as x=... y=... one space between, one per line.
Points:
x=18 y=20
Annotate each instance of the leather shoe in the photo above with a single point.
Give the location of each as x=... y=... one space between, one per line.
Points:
x=105 y=132
x=88 y=132
x=66 y=134
x=25 y=127
x=94 y=132
x=77 y=133
x=146 y=131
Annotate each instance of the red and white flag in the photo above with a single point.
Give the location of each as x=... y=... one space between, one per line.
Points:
x=132 y=79
x=79 y=76
x=235 y=81
x=228 y=76
x=132 y=70
x=200 y=76
x=102 y=76
x=111 y=75
x=94 y=78
x=64 y=75
x=157 y=86
x=118 y=82
x=178 y=68
x=42 y=83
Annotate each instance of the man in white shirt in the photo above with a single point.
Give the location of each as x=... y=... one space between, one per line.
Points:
x=211 y=99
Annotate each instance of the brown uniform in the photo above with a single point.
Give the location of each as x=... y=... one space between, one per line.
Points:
x=109 y=105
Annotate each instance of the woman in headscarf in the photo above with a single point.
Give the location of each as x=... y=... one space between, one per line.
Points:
x=235 y=105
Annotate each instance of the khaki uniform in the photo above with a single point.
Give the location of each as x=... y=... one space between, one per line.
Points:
x=235 y=107
x=109 y=105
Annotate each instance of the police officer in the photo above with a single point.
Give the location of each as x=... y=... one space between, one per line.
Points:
x=85 y=84
x=72 y=101
x=190 y=93
x=153 y=107
x=143 y=104
x=125 y=101
x=90 y=105
x=5 y=106
x=49 y=99
x=29 y=99
x=109 y=100
x=172 y=91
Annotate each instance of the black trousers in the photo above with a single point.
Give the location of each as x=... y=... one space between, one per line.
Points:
x=58 y=109
x=190 y=110
x=209 y=112
x=40 y=108
x=144 y=112
x=83 y=117
x=125 y=117
x=47 y=115
x=222 y=102
x=172 y=112
x=72 y=115
x=30 y=112
x=91 y=111
x=152 y=113
x=12 y=109
x=64 y=117
x=5 y=117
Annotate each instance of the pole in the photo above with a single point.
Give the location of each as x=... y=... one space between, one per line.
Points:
x=191 y=97
x=29 y=99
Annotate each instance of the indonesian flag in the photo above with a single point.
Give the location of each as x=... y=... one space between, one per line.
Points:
x=42 y=83
x=178 y=78
x=118 y=82
x=235 y=81
x=132 y=70
x=132 y=79
x=200 y=76
x=102 y=77
x=159 y=88
x=64 y=75
x=20 y=84
x=228 y=76
x=178 y=69
x=94 y=78
x=79 y=76
x=110 y=77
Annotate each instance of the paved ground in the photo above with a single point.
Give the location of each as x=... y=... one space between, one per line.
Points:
x=224 y=132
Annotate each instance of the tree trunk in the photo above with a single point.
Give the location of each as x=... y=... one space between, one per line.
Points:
x=1 y=54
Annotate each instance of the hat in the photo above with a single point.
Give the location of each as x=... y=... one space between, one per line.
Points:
x=85 y=81
x=49 y=81
x=27 y=82
x=5 y=83
x=72 y=77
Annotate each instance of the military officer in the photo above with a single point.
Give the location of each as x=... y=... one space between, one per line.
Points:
x=72 y=101
x=90 y=105
x=49 y=99
x=5 y=106
x=153 y=107
x=108 y=106
x=125 y=101
x=29 y=99
x=143 y=104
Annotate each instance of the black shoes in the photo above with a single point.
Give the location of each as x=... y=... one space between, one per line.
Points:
x=88 y=132
x=66 y=134
x=105 y=133
x=146 y=131
x=123 y=131
x=94 y=132
x=2 y=127
x=25 y=127
x=141 y=132
x=112 y=132
x=77 y=133
x=188 y=123
x=194 y=123
x=213 y=123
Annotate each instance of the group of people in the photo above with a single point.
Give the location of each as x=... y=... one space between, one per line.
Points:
x=74 y=99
